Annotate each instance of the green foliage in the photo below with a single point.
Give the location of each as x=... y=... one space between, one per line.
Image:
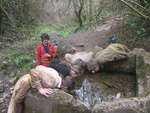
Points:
x=34 y=42
x=22 y=60
x=15 y=20
x=137 y=26
x=55 y=29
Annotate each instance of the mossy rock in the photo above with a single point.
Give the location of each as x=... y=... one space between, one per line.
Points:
x=58 y=102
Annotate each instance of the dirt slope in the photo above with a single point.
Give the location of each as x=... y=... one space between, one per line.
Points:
x=98 y=36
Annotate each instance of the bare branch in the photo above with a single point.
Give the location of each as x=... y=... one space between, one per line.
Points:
x=134 y=9
x=5 y=12
x=137 y=4
x=78 y=10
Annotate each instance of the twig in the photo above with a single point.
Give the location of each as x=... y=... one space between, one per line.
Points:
x=109 y=85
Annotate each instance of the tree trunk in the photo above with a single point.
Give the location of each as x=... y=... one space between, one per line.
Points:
x=90 y=10
x=1 y=17
x=78 y=11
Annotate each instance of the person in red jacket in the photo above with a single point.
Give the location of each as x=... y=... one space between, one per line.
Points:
x=45 y=51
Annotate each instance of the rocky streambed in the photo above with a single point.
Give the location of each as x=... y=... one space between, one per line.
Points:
x=104 y=87
x=61 y=102
x=131 y=80
x=92 y=92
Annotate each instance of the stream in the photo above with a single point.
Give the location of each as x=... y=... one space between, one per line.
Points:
x=95 y=89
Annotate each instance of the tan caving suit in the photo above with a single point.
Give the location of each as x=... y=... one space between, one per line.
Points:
x=47 y=77
x=113 y=52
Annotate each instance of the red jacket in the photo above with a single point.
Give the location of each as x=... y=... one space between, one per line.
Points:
x=41 y=59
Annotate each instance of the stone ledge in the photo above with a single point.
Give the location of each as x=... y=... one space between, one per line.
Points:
x=131 y=105
x=59 y=102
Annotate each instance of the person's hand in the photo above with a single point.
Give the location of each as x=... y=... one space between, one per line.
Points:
x=47 y=55
x=45 y=91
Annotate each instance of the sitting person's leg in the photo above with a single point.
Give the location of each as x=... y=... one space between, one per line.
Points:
x=20 y=90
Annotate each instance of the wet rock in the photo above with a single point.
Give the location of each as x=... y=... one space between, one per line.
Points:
x=59 y=102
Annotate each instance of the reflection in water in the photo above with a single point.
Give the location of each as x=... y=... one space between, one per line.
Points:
x=88 y=95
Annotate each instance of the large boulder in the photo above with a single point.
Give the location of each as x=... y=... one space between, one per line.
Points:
x=59 y=102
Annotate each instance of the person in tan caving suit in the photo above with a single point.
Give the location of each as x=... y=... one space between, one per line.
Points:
x=44 y=79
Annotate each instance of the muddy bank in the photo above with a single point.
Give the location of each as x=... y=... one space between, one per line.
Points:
x=99 y=36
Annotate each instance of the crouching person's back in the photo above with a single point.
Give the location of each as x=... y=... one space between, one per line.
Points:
x=49 y=77
x=42 y=78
